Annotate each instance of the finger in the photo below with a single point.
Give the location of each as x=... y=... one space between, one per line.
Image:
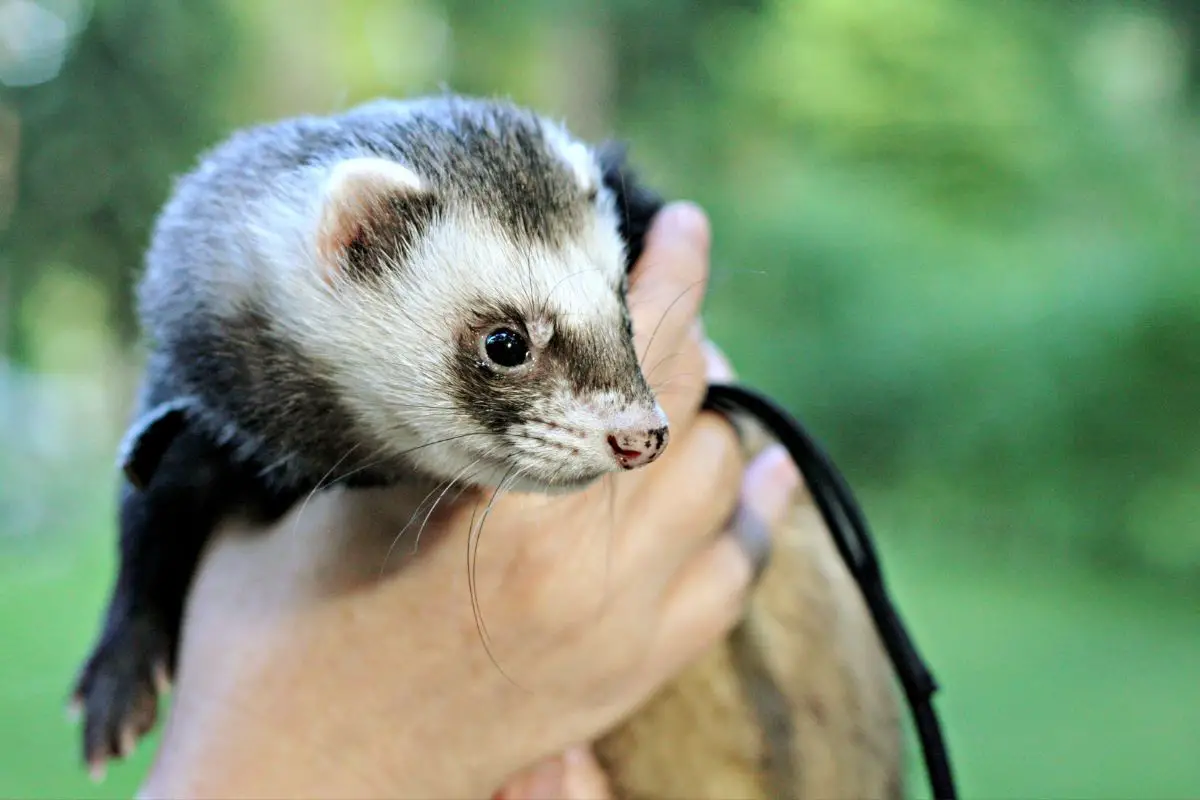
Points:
x=676 y=252
x=681 y=385
x=708 y=598
x=704 y=603
x=583 y=779
x=684 y=500
x=768 y=493
x=668 y=283
x=572 y=775
x=679 y=381
x=543 y=781
x=703 y=474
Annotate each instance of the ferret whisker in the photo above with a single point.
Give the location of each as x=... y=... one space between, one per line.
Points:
x=456 y=479
x=474 y=558
x=673 y=391
x=663 y=319
x=360 y=468
x=685 y=377
x=416 y=512
x=472 y=581
x=648 y=297
x=665 y=359
x=547 y=442
x=445 y=487
x=318 y=487
x=441 y=441
x=369 y=464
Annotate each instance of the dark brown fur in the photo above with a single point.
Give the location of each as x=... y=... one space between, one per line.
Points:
x=830 y=725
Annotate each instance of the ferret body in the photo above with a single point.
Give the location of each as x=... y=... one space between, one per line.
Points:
x=435 y=290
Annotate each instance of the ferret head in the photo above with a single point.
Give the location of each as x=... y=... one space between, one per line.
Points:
x=467 y=295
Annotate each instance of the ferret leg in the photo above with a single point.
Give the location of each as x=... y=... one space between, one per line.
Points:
x=164 y=528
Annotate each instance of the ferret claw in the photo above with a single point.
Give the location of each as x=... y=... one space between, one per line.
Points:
x=98 y=769
x=119 y=688
x=128 y=742
x=162 y=683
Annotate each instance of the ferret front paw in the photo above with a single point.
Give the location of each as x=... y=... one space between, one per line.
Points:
x=117 y=691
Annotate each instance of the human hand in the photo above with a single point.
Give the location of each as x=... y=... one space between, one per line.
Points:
x=767 y=491
x=308 y=670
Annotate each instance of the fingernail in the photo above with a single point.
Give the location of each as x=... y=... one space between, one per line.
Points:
x=686 y=219
x=772 y=477
x=769 y=484
x=754 y=537
x=583 y=779
x=574 y=756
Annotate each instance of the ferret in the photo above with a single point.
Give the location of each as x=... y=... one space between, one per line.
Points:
x=434 y=290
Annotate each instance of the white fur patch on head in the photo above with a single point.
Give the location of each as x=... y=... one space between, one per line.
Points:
x=577 y=156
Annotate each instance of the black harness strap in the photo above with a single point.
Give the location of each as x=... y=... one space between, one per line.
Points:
x=848 y=527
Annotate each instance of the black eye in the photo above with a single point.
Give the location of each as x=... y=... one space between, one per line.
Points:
x=506 y=348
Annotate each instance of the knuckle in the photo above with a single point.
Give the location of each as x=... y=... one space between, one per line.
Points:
x=718 y=589
x=736 y=582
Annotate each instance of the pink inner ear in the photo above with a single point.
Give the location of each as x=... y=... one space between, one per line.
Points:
x=339 y=232
x=357 y=198
x=332 y=244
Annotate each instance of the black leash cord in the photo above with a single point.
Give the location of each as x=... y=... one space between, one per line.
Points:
x=848 y=527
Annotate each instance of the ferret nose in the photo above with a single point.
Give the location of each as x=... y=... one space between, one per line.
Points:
x=637 y=447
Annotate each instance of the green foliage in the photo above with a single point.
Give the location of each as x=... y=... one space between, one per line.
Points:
x=135 y=101
x=869 y=82
x=959 y=237
x=1013 y=332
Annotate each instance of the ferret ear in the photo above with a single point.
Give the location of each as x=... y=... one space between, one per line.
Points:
x=371 y=208
x=149 y=438
x=636 y=204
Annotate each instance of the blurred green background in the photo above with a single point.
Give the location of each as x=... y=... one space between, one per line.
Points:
x=960 y=239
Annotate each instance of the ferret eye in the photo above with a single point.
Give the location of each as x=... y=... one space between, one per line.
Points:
x=506 y=348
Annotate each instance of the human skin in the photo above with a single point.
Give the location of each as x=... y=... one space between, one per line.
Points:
x=768 y=489
x=329 y=657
